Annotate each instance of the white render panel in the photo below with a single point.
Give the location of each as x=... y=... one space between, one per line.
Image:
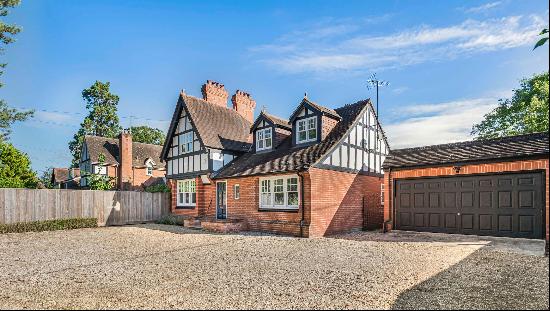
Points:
x=351 y=158
x=352 y=136
x=186 y=164
x=175 y=167
x=196 y=162
x=169 y=168
x=359 y=159
x=327 y=160
x=336 y=157
x=197 y=145
x=344 y=156
x=204 y=161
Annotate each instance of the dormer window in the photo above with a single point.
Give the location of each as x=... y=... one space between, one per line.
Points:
x=149 y=166
x=263 y=139
x=307 y=130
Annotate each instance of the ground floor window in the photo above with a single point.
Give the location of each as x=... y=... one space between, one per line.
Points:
x=279 y=192
x=187 y=195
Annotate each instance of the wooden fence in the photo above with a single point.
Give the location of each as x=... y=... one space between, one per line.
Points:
x=109 y=207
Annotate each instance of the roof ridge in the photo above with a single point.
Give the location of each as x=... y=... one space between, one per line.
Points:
x=473 y=142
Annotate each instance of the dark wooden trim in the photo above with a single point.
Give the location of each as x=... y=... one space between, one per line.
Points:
x=194 y=153
x=187 y=175
x=186 y=207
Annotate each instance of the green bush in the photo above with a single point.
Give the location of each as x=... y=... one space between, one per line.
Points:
x=49 y=225
x=169 y=220
x=158 y=188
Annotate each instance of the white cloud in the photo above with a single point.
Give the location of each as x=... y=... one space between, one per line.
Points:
x=483 y=7
x=343 y=47
x=430 y=124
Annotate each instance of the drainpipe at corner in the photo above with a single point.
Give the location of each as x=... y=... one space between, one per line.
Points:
x=302 y=196
x=390 y=205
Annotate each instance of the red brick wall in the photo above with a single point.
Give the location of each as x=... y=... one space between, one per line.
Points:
x=140 y=176
x=337 y=202
x=497 y=167
x=206 y=199
x=247 y=208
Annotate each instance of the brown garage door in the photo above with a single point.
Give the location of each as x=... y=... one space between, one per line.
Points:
x=499 y=205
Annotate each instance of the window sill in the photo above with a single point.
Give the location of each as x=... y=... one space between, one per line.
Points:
x=280 y=209
x=185 y=206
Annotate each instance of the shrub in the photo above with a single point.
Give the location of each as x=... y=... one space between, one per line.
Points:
x=158 y=188
x=49 y=225
x=169 y=220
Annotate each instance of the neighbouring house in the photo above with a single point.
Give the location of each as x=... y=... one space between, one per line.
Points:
x=496 y=187
x=315 y=174
x=131 y=165
x=65 y=178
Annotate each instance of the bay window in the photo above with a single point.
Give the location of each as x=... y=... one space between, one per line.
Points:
x=263 y=139
x=187 y=195
x=279 y=192
x=306 y=130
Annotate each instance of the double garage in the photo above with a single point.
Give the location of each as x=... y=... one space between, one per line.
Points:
x=493 y=187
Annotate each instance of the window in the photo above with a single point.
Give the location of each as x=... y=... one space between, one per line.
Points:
x=279 y=193
x=263 y=139
x=187 y=142
x=149 y=169
x=187 y=195
x=307 y=130
x=237 y=191
x=381 y=194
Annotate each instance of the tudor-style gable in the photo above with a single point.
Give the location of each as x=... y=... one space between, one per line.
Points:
x=206 y=135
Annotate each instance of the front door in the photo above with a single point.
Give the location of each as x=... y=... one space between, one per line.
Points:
x=221 y=198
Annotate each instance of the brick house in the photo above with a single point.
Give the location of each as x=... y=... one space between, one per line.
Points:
x=315 y=174
x=65 y=178
x=495 y=187
x=132 y=165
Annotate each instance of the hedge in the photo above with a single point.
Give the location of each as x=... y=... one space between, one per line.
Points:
x=49 y=225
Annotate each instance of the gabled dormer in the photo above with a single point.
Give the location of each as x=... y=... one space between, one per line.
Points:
x=269 y=131
x=311 y=123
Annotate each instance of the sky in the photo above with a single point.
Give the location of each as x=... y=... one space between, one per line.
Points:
x=447 y=62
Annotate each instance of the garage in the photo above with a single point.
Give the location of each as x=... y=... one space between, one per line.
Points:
x=497 y=204
x=496 y=187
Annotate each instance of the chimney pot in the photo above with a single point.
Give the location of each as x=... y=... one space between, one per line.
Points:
x=215 y=93
x=244 y=104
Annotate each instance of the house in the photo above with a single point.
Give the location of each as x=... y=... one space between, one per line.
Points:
x=65 y=178
x=315 y=174
x=131 y=165
x=496 y=187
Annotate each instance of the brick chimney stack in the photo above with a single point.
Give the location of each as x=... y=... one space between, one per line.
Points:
x=215 y=93
x=125 y=170
x=244 y=105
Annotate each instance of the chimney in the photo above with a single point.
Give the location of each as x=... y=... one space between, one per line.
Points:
x=244 y=105
x=125 y=169
x=214 y=92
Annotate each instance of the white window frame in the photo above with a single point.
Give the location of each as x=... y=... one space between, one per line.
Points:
x=186 y=186
x=267 y=188
x=186 y=142
x=149 y=167
x=237 y=191
x=307 y=129
x=262 y=139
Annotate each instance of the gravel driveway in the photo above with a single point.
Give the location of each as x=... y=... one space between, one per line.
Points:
x=155 y=266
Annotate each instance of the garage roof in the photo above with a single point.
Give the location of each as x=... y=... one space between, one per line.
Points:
x=478 y=150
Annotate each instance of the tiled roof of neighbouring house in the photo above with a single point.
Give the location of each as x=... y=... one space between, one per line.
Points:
x=60 y=174
x=277 y=121
x=109 y=148
x=218 y=127
x=286 y=158
x=477 y=150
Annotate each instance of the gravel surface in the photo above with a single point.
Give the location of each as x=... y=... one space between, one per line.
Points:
x=156 y=266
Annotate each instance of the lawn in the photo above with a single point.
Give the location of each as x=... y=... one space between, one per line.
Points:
x=156 y=266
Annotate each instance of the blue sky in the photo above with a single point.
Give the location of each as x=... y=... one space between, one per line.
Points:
x=448 y=62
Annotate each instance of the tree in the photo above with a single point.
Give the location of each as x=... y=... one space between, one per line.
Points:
x=98 y=181
x=147 y=135
x=526 y=112
x=542 y=40
x=46 y=178
x=102 y=119
x=8 y=115
x=15 y=168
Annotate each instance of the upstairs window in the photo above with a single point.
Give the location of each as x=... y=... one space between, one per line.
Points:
x=149 y=171
x=187 y=195
x=187 y=142
x=263 y=139
x=307 y=130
